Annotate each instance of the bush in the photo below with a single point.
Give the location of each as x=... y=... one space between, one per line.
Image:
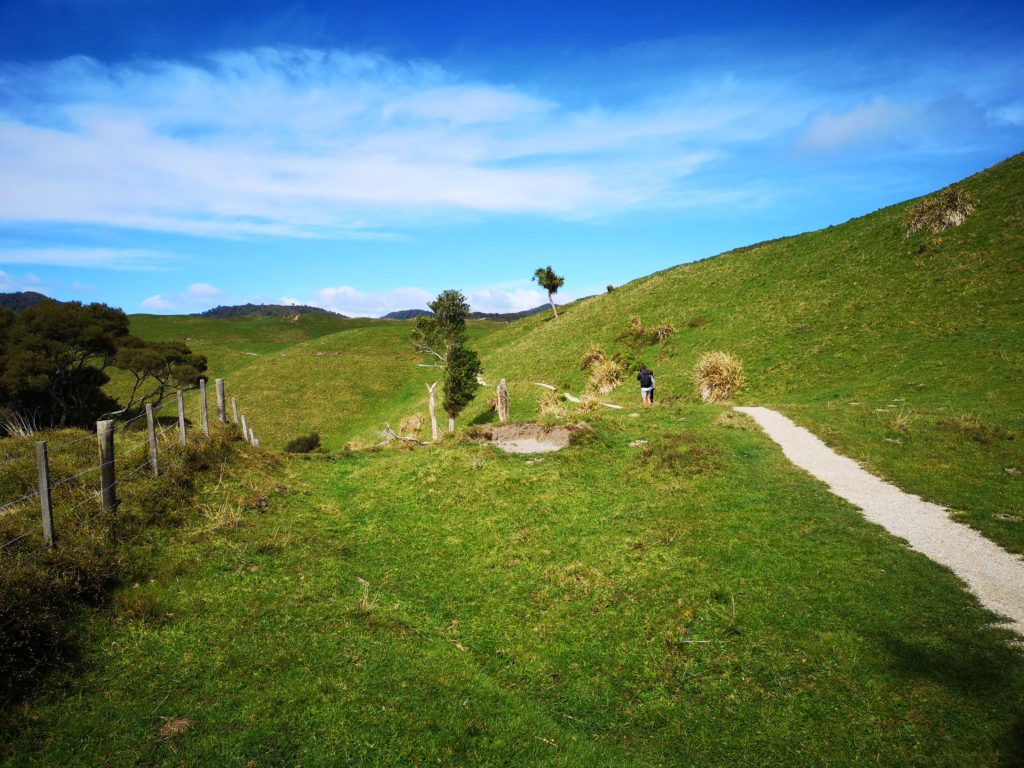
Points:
x=604 y=376
x=718 y=376
x=948 y=208
x=303 y=443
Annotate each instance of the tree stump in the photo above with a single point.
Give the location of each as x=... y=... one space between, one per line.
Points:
x=502 y=404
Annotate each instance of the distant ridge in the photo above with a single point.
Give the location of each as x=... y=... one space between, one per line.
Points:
x=501 y=317
x=265 y=310
x=20 y=300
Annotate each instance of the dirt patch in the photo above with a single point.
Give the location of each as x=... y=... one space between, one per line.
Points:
x=528 y=438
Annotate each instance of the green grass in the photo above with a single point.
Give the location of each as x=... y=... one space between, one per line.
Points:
x=707 y=605
x=882 y=345
x=691 y=601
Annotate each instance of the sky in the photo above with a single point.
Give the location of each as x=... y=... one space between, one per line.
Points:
x=168 y=157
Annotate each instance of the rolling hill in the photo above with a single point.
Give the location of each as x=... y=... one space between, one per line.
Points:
x=668 y=589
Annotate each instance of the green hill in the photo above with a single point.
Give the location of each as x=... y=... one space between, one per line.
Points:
x=668 y=590
x=906 y=353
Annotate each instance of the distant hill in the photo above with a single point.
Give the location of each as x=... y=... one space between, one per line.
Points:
x=406 y=314
x=265 y=310
x=20 y=300
x=501 y=317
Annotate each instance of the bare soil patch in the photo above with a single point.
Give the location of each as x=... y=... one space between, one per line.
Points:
x=528 y=438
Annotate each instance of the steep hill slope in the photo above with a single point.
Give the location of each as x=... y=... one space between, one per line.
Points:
x=906 y=353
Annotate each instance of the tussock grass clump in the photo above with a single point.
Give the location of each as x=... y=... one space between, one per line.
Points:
x=949 y=208
x=553 y=404
x=718 y=376
x=410 y=426
x=303 y=443
x=604 y=372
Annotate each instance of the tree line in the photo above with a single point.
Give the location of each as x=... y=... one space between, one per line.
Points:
x=54 y=359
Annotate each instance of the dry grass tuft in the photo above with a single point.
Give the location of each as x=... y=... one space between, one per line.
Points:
x=949 y=208
x=593 y=356
x=718 y=376
x=410 y=426
x=552 y=404
x=605 y=376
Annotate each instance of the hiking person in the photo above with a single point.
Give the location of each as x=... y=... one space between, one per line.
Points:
x=646 y=379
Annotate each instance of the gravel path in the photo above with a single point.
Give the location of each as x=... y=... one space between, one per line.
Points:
x=994 y=575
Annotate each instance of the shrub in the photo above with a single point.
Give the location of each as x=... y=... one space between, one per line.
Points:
x=948 y=208
x=718 y=376
x=610 y=288
x=594 y=355
x=303 y=443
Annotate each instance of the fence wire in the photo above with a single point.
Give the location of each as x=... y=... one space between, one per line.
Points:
x=125 y=456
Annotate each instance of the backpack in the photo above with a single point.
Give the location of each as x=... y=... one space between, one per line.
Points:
x=646 y=379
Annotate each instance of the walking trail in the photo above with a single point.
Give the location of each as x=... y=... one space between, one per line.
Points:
x=993 y=574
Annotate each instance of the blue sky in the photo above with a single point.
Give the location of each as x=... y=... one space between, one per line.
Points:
x=170 y=156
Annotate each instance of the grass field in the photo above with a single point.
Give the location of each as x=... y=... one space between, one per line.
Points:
x=691 y=600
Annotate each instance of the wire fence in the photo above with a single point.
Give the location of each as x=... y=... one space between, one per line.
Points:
x=117 y=465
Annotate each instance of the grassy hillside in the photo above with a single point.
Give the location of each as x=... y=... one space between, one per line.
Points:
x=693 y=602
x=905 y=353
x=689 y=600
x=233 y=343
x=343 y=385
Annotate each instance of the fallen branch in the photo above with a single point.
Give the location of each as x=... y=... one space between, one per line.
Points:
x=390 y=435
x=574 y=399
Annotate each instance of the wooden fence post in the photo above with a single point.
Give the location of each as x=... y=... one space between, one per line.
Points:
x=222 y=406
x=154 y=461
x=45 y=505
x=181 y=417
x=108 y=480
x=245 y=429
x=252 y=437
x=204 y=408
x=255 y=442
x=234 y=409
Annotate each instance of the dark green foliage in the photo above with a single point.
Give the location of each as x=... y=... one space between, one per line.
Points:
x=157 y=367
x=266 y=310
x=460 y=383
x=19 y=300
x=445 y=329
x=303 y=443
x=53 y=360
x=550 y=282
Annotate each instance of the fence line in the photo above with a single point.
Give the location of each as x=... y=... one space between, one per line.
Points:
x=111 y=479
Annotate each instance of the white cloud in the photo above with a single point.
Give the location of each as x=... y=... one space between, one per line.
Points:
x=507 y=300
x=355 y=303
x=196 y=296
x=879 y=120
x=311 y=143
x=132 y=259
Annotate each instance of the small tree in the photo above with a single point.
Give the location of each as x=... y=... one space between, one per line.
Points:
x=460 y=382
x=439 y=333
x=157 y=367
x=550 y=282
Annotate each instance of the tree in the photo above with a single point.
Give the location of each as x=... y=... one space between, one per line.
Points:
x=442 y=335
x=551 y=282
x=54 y=359
x=439 y=333
x=460 y=374
x=157 y=367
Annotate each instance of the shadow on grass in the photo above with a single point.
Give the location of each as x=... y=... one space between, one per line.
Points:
x=977 y=670
x=490 y=416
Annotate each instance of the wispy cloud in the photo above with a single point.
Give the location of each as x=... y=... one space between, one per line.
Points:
x=355 y=303
x=122 y=259
x=311 y=143
x=196 y=296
